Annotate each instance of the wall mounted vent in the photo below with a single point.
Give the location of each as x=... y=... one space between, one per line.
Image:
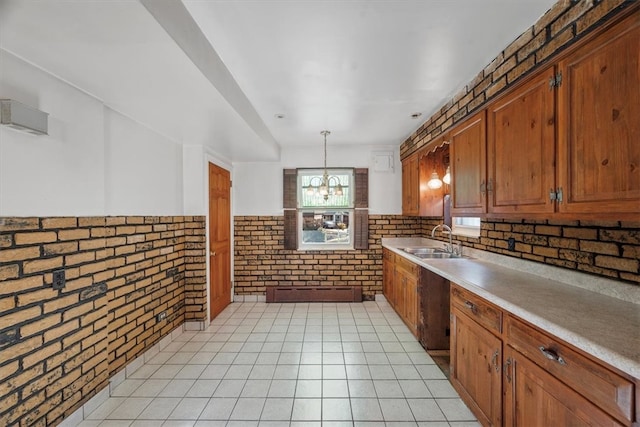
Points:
x=21 y=117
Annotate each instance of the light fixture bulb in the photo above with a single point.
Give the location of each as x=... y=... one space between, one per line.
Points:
x=447 y=176
x=435 y=182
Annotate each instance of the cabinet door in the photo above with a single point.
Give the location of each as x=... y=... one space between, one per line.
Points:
x=468 y=167
x=533 y=397
x=476 y=358
x=410 y=196
x=388 y=285
x=411 y=303
x=599 y=130
x=521 y=148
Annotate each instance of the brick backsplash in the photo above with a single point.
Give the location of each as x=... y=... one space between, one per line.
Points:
x=60 y=347
x=604 y=248
x=260 y=259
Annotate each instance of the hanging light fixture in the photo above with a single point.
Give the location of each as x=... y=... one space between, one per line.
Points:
x=435 y=182
x=447 y=176
x=327 y=185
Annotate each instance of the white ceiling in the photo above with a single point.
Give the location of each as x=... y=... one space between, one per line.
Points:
x=359 y=68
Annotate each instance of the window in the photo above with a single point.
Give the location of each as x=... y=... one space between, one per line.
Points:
x=466 y=226
x=325 y=222
x=341 y=221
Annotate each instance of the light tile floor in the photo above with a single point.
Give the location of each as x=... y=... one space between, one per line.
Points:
x=289 y=365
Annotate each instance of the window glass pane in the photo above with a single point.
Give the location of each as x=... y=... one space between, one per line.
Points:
x=338 y=193
x=330 y=229
x=466 y=226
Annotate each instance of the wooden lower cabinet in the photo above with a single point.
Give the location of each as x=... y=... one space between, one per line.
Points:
x=476 y=360
x=400 y=286
x=534 y=397
x=512 y=373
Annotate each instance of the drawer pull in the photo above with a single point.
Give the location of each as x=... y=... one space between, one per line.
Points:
x=507 y=367
x=494 y=360
x=471 y=306
x=552 y=355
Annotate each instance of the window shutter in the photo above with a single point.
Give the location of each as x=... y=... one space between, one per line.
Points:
x=289 y=203
x=289 y=188
x=361 y=232
x=290 y=229
x=362 y=188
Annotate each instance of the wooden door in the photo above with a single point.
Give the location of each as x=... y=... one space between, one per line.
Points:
x=410 y=196
x=468 y=167
x=476 y=357
x=535 y=398
x=521 y=148
x=219 y=239
x=599 y=133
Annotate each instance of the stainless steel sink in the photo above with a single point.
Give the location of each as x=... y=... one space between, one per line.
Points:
x=436 y=255
x=423 y=251
x=430 y=253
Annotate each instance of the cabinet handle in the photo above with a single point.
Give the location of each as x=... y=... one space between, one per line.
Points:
x=494 y=360
x=212 y=253
x=552 y=355
x=483 y=187
x=471 y=306
x=490 y=186
x=507 y=369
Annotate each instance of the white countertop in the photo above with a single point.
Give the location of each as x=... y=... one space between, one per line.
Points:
x=570 y=305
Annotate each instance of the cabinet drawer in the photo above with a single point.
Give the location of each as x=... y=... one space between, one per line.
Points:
x=387 y=255
x=603 y=387
x=478 y=309
x=408 y=266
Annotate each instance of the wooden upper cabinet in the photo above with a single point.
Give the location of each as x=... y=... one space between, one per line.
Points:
x=410 y=192
x=599 y=127
x=521 y=148
x=468 y=167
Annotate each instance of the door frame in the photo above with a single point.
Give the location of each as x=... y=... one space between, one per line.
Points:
x=217 y=161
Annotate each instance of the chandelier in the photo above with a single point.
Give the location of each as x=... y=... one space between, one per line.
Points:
x=328 y=184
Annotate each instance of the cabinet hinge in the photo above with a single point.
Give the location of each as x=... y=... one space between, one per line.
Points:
x=555 y=81
x=556 y=195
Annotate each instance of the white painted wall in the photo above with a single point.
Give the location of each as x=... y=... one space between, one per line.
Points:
x=143 y=170
x=59 y=174
x=94 y=161
x=257 y=187
x=97 y=161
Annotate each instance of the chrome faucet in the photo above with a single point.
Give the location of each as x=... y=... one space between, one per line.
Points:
x=449 y=248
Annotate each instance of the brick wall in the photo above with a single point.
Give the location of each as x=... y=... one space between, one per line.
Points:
x=565 y=23
x=260 y=259
x=610 y=249
x=58 y=347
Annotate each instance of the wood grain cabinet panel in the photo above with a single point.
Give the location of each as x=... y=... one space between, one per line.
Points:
x=599 y=126
x=410 y=190
x=400 y=283
x=468 y=167
x=521 y=148
x=535 y=398
x=476 y=360
x=606 y=389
